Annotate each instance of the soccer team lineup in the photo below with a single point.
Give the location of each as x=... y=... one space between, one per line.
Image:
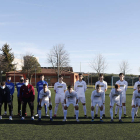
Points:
x=67 y=95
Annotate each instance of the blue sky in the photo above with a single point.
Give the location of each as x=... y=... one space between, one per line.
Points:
x=85 y=27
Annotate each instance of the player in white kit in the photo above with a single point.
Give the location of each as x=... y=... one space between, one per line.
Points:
x=123 y=86
x=135 y=87
x=103 y=88
x=80 y=87
x=116 y=97
x=45 y=98
x=60 y=88
x=97 y=97
x=135 y=101
x=71 y=98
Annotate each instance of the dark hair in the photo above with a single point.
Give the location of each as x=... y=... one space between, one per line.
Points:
x=69 y=87
x=98 y=86
x=60 y=76
x=117 y=86
x=121 y=74
x=41 y=75
x=21 y=77
x=45 y=85
x=101 y=74
x=2 y=83
x=139 y=75
x=80 y=74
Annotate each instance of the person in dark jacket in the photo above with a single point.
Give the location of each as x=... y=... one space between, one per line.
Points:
x=27 y=95
x=5 y=97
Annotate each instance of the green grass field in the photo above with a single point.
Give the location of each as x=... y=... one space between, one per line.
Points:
x=57 y=129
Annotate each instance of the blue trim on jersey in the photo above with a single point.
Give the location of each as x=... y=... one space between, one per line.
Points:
x=11 y=86
x=39 y=87
x=18 y=85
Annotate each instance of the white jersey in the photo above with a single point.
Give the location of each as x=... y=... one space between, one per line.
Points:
x=71 y=97
x=102 y=84
x=60 y=88
x=136 y=97
x=123 y=86
x=95 y=96
x=136 y=84
x=116 y=96
x=45 y=95
x=80 y=88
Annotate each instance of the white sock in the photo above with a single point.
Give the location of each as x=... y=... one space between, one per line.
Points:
x=133 y=113
x=103 y=108
x=124 y=109
x=111 y=113
x=39 y=113
x=92 y=115
x=65 y=114
x=136 y=110
x=97 y=107
x=77 y=114
x=46 y=109
x=101 y=114
x=50 y=113
x=120 y=113
x=56 y=108
x=84 y=108
x=116 y=109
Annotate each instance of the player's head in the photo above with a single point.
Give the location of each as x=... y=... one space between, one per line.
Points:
x=42 y=77
x=45 y=87
x=2 y=83
x=117 y=86
x=101 y=77
x=70 y=88
x=60 y=77
x=98 y=88
x=21 y=79
x=9 y=78
x=80 y=76
x=121 y=75
x=138 y=87
x=26 y=81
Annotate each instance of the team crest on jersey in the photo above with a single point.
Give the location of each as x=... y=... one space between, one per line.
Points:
x=60 y=87
x=80 y=86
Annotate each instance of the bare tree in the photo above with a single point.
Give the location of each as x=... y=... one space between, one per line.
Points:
x=30 y=65
x=124 y=67
x=58 y=58
x=98 y=64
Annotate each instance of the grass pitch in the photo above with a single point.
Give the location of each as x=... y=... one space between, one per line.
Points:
x=57 y=129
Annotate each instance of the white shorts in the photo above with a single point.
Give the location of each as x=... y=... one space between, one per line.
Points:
x=45 y=102
x=59 y=98
x=115 y=101
x=93 y=103
x=68 y=103
x=124 y=99
x=137 y=102
x=82 y=100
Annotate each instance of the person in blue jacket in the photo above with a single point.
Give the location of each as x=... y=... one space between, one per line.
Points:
x=18 y=85
x=39 y=87
x=11 y=86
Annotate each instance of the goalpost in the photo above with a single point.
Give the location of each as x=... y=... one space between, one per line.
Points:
x=131 y=81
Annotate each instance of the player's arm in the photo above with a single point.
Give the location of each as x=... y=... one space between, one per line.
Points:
x=50 y=98
x=95 y=85
x=126 y=86
x=135 y=86
x=85 y=87
x=103 y=97
x=75 y=86
x=105 y=87
x=65 y=88
x=55 y=88
x=133 y=99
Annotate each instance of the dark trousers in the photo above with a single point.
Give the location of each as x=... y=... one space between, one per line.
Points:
x=5 y=104
x=19 y=105
x=10 y=107
x=31 y=106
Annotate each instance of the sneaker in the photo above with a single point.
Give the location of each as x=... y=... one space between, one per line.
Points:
x=101 y=120
x=32 y=118
x=39 y=119
x=115 y=116
x=92 y=120
x=36 y=115
x=112 y=120
x=23 y=118
x=86 y=116
x=104 y=115
x=125 y=116
x=10 y=118
x=54 y=115
x=132 y=121
x=51 y=119
x=5 y=114
x=96 y=115
x=64 y=120
x=0 y=117
x=77 y=120
x=120 y=121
